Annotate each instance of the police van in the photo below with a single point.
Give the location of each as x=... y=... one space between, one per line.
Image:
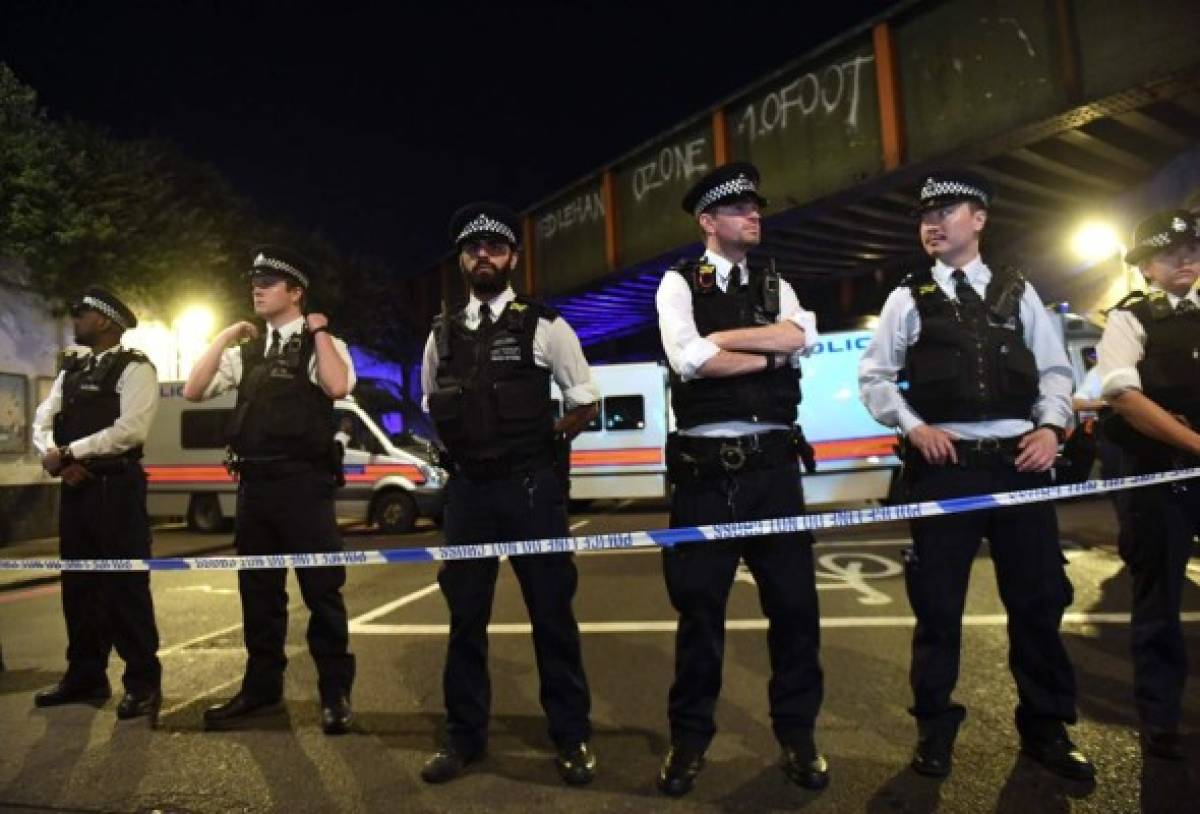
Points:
x=185 y=452
x=621 y=453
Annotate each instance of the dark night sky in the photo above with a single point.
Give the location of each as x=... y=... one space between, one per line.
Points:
x=373 y=122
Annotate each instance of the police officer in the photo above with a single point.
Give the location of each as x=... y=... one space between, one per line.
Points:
x=287 y=379
x=89 y=431
x=988 y=396
x=1151 y=377
x=486 y=376
x=733 y=335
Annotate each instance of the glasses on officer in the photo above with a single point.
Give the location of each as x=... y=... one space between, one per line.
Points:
x=490 y=247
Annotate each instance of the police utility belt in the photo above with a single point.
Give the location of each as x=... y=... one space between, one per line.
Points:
x=112 y=464
x=982 y=453
x=489 y=469
x=266 y=467
x=692 y=458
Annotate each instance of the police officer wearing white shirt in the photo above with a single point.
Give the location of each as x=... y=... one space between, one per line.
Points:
x=486 y=376
x=1151 y=377
x=288 y=466
x=733 y=335
x=988 y=394
x=90 y=431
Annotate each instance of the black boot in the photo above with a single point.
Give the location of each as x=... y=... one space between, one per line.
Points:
x=679 y=770
x=145 y=704
x=447 y=764
x=1051 y=747
x=935 y=742
x=73 y=691
x=576 y=764
x=805 y=766
x=238 y=709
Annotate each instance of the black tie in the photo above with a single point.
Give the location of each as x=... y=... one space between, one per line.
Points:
x=276 y=342
x=485 y=316
x=735 y=279
x=1185 y=306
x=966 y=294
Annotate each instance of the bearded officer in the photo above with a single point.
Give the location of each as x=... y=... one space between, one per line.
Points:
x=486 y=376
x=90 y=431
x=288 y=464
x=988 y=397
x=1150 y=375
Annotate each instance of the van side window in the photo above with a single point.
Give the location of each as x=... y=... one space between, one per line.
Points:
x=349 y=429
x=624 y=413
x=203 y=429
x=556 y=408
x=597 y=423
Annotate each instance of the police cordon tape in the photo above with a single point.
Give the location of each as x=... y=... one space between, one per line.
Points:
x=654 y=538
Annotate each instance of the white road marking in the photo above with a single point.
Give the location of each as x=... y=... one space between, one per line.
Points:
x=391 y=606
x=659 y=626
x=579 y=524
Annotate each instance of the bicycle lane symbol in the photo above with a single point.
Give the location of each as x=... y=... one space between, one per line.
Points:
x=848 y=571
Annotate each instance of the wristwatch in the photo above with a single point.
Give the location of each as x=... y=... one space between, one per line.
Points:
x=1059 y=432
x=320 y=328
x=65 y=456
x=770 y=361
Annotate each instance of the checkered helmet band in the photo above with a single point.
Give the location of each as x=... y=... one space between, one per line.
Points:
x=483 y=224
x=106 y=309
x=944 y=189
x=262 y=261
x=726 y=189
x=1171 y=235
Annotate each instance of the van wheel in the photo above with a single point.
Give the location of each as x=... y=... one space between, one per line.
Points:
x=204 y=515
x=394 y=512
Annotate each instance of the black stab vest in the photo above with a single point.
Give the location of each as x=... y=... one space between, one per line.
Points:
x=767 y=397
x=90 y=401
x=492 y=402
x=280 y=413
x=1170 y=366
x=970 y=363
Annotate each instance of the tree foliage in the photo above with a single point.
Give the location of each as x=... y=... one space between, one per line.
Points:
x=80 y=207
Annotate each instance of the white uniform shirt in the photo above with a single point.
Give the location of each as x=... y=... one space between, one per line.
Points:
x=229 y=370
x=687 y=351
x=555 y=346
x=1122 y=347
x=899 y=329
x=137 y=387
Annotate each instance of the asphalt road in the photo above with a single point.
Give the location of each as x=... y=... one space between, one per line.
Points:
x=81 y=758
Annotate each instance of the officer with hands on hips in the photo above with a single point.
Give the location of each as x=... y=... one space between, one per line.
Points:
x=1150 y=375
x=486 y=376
x=733 y=335
x=90 y=431
x=288 y=465
x=988 y=396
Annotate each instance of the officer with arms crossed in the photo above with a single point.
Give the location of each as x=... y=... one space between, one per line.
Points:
x=733 y=335
x=1150 y=375
x=486 y=377
x=989 y=393
x=90 y=431
x=287 y=462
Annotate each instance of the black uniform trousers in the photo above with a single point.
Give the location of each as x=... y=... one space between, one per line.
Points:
x=291 y=511
x=520 y=506
x=1155 y=542
x=1029 y=572
x=699 y=577
x=105 y=518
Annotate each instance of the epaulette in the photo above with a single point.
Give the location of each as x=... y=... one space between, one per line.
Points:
x=540 y=308
x=136 y=355
x=920 y=282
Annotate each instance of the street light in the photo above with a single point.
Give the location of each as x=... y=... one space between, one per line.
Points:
x=193 y=327
x=1096 y=241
